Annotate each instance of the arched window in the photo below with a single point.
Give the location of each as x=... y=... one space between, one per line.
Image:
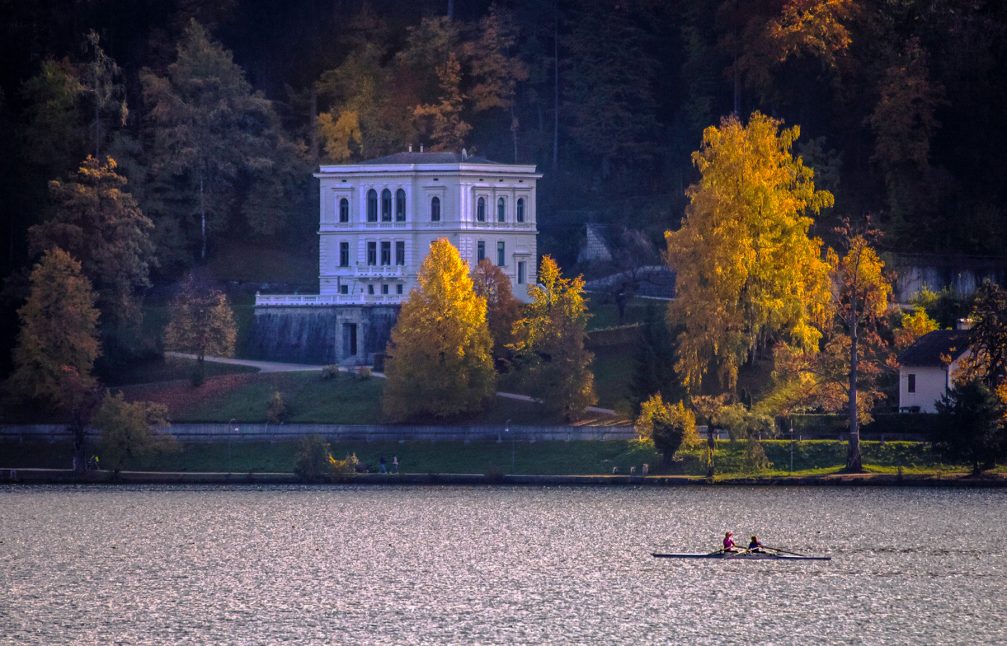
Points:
x=386 y=205
x=501 y=210
x=372 y=205
x=520 y=209
x=400 y=205
x=435 y=209
x=344 y=210
x=481 y=209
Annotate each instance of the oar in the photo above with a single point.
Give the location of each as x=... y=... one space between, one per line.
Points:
x=776 y=549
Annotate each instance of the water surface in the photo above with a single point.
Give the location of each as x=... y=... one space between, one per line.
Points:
x=357 y=564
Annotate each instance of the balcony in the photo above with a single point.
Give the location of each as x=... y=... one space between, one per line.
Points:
x=379 y=271
x=326 y=300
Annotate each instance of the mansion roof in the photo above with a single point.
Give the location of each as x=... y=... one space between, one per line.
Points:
x=429 y=158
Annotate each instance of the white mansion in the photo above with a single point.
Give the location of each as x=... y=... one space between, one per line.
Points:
x=377 y=220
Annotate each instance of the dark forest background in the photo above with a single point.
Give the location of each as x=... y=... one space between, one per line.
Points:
x=216 y=112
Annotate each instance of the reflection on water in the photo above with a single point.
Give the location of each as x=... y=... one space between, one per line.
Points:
x=493 y=565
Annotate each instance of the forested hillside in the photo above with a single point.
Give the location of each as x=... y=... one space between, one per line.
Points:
x=216 y=112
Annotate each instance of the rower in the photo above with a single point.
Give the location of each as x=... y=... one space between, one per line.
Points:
x=754 y=546
x=729 y=542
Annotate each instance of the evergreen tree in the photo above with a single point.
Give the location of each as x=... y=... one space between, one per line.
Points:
x=974 y=426
x=655 y=361
x=550 y=343
x=58 y=339
x=439 y=357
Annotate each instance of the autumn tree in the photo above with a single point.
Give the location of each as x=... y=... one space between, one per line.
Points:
x=860 y=294
x=439 y=356
x=669 y=426
x=502 y=309
x=58 y=337
x=747 y=272
x=201 y=323
x=130 y=430
x=98 y=222
x=441 y=123
x=913 y=325
x=216 y=139
x=550 y=343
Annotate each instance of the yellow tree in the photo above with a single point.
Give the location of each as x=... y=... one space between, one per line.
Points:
x=58 y=338
x=201 y=323
x=746 y=268
x=550 y=342
x=439 y=360
x=861 y=293
x=913 y=326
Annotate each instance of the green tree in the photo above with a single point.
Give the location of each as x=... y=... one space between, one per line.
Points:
x=213 y=138
x=201 y=323
x=58 y=337
x=502 y=309
x=102 y=82
x=99 y=223
x=550 y=343
x=276 y=411
x=668 y=426
x=53 y=136
x=439 y=356
x=988 y=337
x=655 y=360
x=747 y=271
x=129 y=430
x=974 y=426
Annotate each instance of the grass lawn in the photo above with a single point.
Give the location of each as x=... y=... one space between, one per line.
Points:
x=604 y=312
x=816 y=457
x=309 y=399
x=160 y=369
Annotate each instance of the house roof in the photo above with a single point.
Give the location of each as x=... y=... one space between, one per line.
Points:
x=928 y=349
x=429 y=158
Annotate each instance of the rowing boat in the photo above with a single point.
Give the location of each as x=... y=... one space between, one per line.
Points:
x=742 y=556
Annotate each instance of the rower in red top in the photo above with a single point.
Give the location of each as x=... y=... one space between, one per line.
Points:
x=729 y=542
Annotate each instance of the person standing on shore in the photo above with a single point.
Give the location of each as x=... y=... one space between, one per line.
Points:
x=395 y=464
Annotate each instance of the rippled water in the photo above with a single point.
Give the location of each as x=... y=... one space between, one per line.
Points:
x=462 y=565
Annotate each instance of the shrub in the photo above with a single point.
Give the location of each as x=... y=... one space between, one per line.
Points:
x=345 y=467
x=313 y=455
x=668 y=426
x=129 y=430
x=330 y=372
x=755 y=460
x=364 y=373
x=276 y=411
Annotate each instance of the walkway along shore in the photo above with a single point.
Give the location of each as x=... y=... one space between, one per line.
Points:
x=68 y=476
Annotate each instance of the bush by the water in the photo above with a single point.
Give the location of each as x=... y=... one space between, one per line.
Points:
x=315 y=462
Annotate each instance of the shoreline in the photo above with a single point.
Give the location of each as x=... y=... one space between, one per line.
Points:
x=15 y=476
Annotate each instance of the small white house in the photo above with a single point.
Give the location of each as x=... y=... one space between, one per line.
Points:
x=927 y=369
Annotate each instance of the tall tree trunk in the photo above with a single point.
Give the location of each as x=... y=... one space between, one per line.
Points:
x=555 y=86
x=854 y=463
x=312 y=125
x=202 y=217
x=513 y=128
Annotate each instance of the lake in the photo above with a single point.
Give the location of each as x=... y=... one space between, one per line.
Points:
x=462 y=565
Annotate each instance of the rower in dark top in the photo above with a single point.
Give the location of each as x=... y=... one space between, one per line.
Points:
x=729 y=542
x=754 y=546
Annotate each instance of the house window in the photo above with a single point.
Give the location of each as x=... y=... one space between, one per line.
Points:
x=344 y=289
x=384 y=288
x=520 y=209
x=481 y=209
x=398 y=289
x=386 y=253
x=370 y=289
x=386 y=205
x=400 y=205
x=344 y=210
x=500 y=253
x=400 y=252
x=435 y=209
x=372 y=205
x=372 y=253
x=480 y=250
x=912 y=383
x=520 y=273
x=501 y=210
x=344 y=254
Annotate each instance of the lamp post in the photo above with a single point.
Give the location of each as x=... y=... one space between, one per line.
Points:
x=513 y=448
x=791 y=446
x=233 y=423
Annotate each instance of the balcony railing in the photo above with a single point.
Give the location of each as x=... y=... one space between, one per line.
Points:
x=326 y=300
x=379 y=271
